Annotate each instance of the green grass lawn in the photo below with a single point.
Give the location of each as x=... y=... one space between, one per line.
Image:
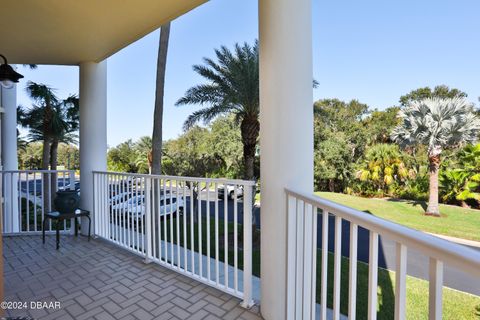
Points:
x=455 y=221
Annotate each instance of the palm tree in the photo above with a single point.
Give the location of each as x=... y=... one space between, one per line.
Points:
x=156 y=152
x=462 y=184
x=383 y=165
x=469 y=158
x=41 y=116
x=232 y=87
x=459 y=185
x=143 y=149
x=52 y=121
x=439 y=124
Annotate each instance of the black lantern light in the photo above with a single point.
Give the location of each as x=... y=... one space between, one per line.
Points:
x=8 y=76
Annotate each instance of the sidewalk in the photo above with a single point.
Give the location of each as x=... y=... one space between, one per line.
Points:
x=465 y=242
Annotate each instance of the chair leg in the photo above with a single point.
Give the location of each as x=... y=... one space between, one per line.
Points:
x=43 y=229
x=58 y=234
x=89 y=226
x=76 y=226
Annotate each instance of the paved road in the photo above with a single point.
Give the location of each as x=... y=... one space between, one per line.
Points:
x=417 y=263
x=36 y=185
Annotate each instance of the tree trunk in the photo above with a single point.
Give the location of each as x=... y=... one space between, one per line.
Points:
x=46 y=153
x=250 y=128
x=54 y=154
x=434 y=165
x=331 y=185
x=53 y=165
x=464 y=204
x=45 y=176
x=159 y=95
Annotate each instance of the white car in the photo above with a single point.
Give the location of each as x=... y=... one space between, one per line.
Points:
x=230 y=192
x=119 y=198
x=136 y=205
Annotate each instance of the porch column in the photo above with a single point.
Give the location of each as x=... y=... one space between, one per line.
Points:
x=286 y=133
x=9 y=156
x=93 y=130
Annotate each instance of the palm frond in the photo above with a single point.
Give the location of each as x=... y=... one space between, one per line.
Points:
x=437 y=123
x=205 y=115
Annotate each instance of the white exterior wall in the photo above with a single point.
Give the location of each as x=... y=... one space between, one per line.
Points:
x=286 y=134
x=9 y=156
x=93 y=130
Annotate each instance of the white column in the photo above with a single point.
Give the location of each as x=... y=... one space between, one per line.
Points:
x=286 y=134
x=9 y=157
x=93 y=130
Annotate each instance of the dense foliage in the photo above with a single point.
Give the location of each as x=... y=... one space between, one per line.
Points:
x=354 y=153
x=215 y=151
x=30 y=156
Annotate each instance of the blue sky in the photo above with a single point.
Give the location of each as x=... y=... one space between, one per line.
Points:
x=370 y=50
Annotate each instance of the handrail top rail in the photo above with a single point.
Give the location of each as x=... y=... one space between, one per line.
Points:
x=455 y=254
x=35 y=171
x=181 y=178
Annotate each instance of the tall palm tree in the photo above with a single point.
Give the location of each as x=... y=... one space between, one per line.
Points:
x=52 y=121
x=439 y=124
x=41 y=116
x=232 y=87
x=157 y=136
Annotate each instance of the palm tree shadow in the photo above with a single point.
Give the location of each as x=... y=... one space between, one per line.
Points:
x=415 y=203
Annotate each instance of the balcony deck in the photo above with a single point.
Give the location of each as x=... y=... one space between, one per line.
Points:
x=97 y=280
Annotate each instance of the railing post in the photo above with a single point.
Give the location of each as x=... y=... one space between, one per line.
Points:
x=247 y=246
x=148 y=219
x=400 y=282
x=2 y=203
x=373 y=276
x=11 y=201
x=435 y=289
x=71 y=179
x=291 y=255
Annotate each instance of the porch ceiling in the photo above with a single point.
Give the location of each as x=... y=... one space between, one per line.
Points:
x=69 y=32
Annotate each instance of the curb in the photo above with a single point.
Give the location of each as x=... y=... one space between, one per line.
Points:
x=470 y=243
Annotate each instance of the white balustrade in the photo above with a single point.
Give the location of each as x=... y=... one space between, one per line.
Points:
x=302 y=248
x=28 y=194
x=190 y=225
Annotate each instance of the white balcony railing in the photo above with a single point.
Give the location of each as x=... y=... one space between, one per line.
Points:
x=28 y=194
x=199 y=227
x=303 y=213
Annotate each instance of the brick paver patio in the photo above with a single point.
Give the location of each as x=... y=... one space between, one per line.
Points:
x=96 y=280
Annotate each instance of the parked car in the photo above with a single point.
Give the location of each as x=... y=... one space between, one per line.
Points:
x=136 y=205
x=76 y=186
x=230 y=192
x=119 y=198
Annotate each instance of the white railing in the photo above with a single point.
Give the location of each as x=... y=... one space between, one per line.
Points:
x=199 y=227
x=28 y=194
x=303 y=213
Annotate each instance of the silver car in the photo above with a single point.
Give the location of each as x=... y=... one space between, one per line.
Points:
x=136 y=205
